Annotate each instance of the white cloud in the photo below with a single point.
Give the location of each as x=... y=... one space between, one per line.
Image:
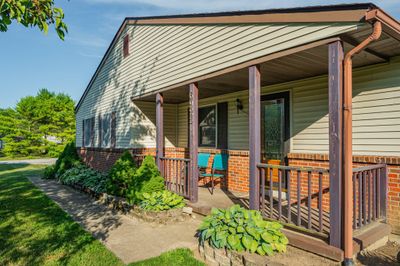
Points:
x=219 y=5
x=88 y=41
x=90 y=55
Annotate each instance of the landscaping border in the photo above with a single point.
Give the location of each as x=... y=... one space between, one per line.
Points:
x=224 y=257
x=121 y=204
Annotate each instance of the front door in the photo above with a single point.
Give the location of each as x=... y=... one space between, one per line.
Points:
x=275 y=130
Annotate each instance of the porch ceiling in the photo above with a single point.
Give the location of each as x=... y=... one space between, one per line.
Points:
x=304 y=64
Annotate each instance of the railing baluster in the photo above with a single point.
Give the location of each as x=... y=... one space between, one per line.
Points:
x=279 y=194
x=378 y=194
x=374 y=193
x=298 y=198
x=289 y=197
x=360 y=199
x=364 y=194
x=369 y=196
x=271 y=195
x=354 y=200
x=309 y=199
x=320 y=201
x=262 y=176
x=176 y=176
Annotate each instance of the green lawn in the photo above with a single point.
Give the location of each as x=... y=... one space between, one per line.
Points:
x=6 y=158
x=35 y=231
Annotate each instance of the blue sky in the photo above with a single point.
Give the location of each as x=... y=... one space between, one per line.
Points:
x=32 y=60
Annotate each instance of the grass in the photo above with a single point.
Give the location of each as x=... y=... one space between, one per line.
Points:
x=35 y=231
x=8 y=158
x=182 y=256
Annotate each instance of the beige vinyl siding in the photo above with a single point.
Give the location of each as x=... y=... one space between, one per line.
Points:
x=376 y=113
x=143 y=125
x=163 y=55
x=168 y=54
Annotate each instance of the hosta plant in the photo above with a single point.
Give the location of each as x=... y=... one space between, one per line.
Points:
x=86 y=177
x=161 y=201
x=242 y=230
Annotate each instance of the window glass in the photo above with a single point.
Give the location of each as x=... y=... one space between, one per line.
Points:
x=106 y=130
x=207 y=126
x=87 y=132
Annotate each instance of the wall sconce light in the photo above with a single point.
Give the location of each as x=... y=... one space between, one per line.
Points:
x=239 y=105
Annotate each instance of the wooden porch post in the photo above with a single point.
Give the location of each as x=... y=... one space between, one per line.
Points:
x=335 y=141
x=254 y=135
x=159 y=129
x=193 y=140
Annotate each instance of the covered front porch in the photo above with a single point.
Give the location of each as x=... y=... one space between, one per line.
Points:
x=307 y=198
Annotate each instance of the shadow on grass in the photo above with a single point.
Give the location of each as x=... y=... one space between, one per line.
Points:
x=35 y=231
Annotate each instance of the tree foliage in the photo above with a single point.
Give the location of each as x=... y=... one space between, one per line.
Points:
x=39 y=125
x=33 y=13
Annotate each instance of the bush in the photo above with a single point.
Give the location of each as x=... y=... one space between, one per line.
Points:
x=147 y=180
x=121 y=175
x=161 y=201
x=68 y=158
x=49 y=172
x=239 y=229
x=86 y=177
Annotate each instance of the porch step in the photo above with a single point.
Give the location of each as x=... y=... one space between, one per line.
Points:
x=313 y=245
x=369 y=235
x=199 y=209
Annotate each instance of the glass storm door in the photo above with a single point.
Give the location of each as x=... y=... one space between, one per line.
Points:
x=274 y=126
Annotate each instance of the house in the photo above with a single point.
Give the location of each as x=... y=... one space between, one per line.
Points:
x=305 y=102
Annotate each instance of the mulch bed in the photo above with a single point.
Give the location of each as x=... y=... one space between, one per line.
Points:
x=387 y=255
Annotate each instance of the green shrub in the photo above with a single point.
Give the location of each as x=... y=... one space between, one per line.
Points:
x=86 y=177
x=147 y=180
x=49 y=172
x=161 y=201
x=121 y=175
x=68 y=158
x=239 y=229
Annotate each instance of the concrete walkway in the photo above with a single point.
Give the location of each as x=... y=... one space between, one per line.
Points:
x=42 y=161
x=129 y=238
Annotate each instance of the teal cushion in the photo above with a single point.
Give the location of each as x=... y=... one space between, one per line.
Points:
x=220 y=162
x=210 y=175
x=202 y=160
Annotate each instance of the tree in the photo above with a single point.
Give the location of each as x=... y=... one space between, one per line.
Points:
x=39 y=125
x=32 y=13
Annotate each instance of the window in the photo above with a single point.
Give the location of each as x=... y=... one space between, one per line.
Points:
x=126 y=45
x=207 y=126
x=88 y=132
x=107 y=130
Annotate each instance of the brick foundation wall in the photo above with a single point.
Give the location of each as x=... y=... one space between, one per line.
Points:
x=238 y=172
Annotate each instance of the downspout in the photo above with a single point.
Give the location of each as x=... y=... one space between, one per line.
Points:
x=348 y=142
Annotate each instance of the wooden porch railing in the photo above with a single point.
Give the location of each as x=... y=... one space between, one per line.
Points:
x=302 y=207
x=138 y=158
x=176 y=174
x=369 y=194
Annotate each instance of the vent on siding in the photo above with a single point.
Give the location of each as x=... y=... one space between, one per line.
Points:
x=126 y=46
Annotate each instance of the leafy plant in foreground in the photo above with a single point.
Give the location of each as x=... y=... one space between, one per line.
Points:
x=161 y=201
x=147 y=180
x=242 y=230
x=121 y=175
x=86 y=177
